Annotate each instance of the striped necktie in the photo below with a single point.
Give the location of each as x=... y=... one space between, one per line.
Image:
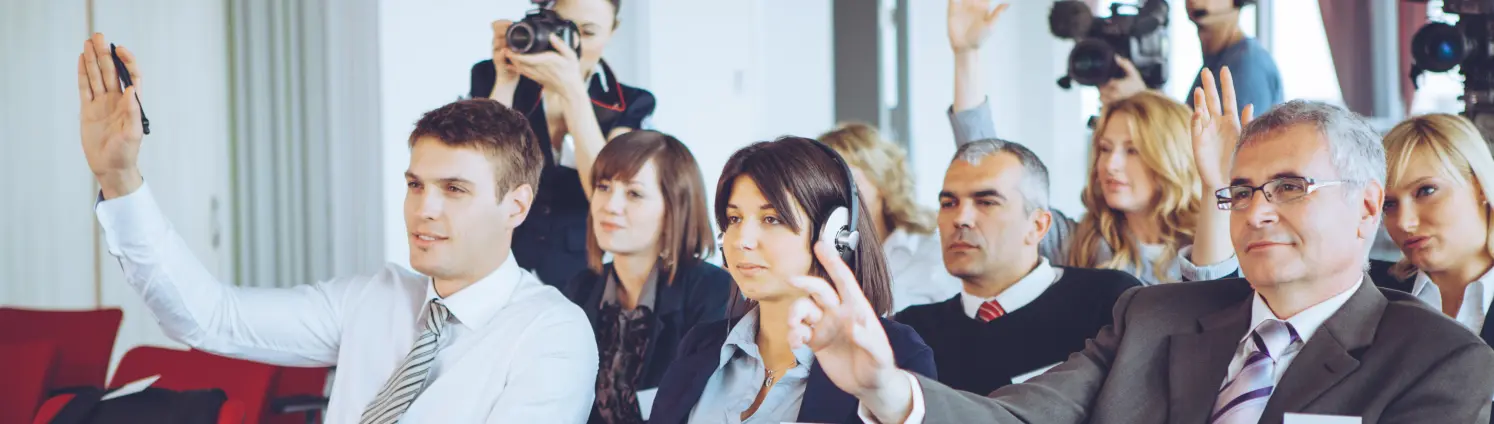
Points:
x=405 y=385
x=1243 y=400
x=989 y=311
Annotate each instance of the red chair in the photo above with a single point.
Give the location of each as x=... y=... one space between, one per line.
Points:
x=232 y=411
x=298 y=395
x=83 y=340
x=245 y=382
x=26 y=367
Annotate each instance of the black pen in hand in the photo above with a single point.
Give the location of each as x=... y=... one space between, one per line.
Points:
x=124 y=77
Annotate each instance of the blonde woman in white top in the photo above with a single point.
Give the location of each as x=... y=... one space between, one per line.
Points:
x=1437 y=211
x=908 y=233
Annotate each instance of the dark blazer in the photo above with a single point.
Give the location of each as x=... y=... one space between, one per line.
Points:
x=1165 y=358
x=698 y=295
x=1380 y=272
x=700 y=356
x=552 y=239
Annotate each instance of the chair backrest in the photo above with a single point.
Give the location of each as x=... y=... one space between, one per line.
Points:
x=296 y=381
x=26 y=366
x=243 y=381
x=84 y=341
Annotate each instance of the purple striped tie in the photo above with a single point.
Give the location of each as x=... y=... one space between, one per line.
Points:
x=1243 y=399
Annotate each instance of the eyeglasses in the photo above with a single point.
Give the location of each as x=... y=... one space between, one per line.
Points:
x=1281 y=190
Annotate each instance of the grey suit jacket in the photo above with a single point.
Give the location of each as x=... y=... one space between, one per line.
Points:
x=1383 y=356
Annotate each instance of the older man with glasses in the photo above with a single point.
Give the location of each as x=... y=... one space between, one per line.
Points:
x=1307 y=333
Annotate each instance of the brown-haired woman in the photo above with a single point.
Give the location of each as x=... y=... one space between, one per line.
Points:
x=772 y=202
x=648 y=211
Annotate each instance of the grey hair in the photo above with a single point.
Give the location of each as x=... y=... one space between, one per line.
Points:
x=1034 y=185
x=1354 y=147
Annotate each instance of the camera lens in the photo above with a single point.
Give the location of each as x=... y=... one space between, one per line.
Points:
x=1092 y=62
x=1439 y=47
x=521 y=37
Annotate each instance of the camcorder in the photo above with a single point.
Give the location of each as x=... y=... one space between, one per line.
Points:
x=532 y=34
x=1468 y=46
x=1140 y=37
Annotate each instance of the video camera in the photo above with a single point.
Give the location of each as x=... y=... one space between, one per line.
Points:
x=532 y=34
x=1469 y=45
x=1140 y=37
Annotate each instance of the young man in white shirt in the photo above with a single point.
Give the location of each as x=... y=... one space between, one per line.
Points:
x=471 y=338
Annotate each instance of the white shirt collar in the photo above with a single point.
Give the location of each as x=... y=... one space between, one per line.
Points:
x=600 y=75
x=475 y=305
x=900 y=239
x=1306 y=322
x=1468 y=314
x=1018 y=295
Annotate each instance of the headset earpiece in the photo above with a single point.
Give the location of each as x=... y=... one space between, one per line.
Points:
x=721 y=248
x=840 y=226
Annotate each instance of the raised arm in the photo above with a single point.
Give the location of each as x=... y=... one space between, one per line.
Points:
x=298 y=326
x=970 y=22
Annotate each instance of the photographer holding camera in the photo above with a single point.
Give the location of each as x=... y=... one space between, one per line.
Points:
x=549 y=67
x=1257 y=80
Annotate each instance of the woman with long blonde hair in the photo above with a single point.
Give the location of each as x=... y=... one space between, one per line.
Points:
x=1145 y=197
x=1437 y=211
x=909 y=235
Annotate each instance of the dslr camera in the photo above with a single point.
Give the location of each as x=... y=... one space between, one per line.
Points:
x=532 y=34
x=1468 y=45
x=1140 y=37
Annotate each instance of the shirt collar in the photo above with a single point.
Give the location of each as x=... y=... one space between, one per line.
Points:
x=645 y=299
x=1424 y=287
x=475 y=305
x=1018 y=295
x=1306 y=322
x=900 y=239
x=743 y=337
x=599 y=74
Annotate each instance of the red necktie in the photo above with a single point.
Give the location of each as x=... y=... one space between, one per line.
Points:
x=989 y=311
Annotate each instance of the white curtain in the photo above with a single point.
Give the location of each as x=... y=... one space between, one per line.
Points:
x=306 y=159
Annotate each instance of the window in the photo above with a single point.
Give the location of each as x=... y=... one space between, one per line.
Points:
x=1300 y=47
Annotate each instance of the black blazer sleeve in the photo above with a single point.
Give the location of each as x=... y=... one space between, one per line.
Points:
x=911 y=352
x=483 y=76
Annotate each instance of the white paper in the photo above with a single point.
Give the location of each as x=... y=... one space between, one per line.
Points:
x=1034 y=373
x=646 y=401
x=1291 y=418
x=132 y=387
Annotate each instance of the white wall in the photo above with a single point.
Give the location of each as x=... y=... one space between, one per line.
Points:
x=46 y=220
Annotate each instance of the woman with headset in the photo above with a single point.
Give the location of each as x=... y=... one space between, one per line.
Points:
x=574 y=103
x=648 y=211
x=774 y=201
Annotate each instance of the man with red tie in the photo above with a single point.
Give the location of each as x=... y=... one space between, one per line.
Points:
x=1017 y=314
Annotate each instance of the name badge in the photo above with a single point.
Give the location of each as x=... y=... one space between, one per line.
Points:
x=1291 y=418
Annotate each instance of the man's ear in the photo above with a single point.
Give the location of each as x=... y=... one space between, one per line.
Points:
x=519 y=199
x=1041 y=220
x=1371 y=210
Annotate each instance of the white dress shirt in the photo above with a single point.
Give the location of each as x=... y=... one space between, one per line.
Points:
x=518 y=350
x=916 y=262
x=1018 y=295
x=1476 y=299
x=1306 y=323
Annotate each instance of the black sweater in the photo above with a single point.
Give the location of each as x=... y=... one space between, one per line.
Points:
x=981 y=357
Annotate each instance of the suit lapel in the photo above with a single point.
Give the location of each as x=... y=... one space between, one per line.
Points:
x=1487 y=333
x=1330 y=355
x=1199 y=361
x=668 y=302
x=823 y=402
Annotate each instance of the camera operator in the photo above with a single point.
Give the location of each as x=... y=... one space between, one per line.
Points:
x=1257 y=80
x=574 y=103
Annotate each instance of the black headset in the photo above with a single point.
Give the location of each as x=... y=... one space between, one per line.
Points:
x=840 y=227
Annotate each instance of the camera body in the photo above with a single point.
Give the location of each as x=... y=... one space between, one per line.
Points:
x=1469 y=46
x=532 y=34
x=1140 y=37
